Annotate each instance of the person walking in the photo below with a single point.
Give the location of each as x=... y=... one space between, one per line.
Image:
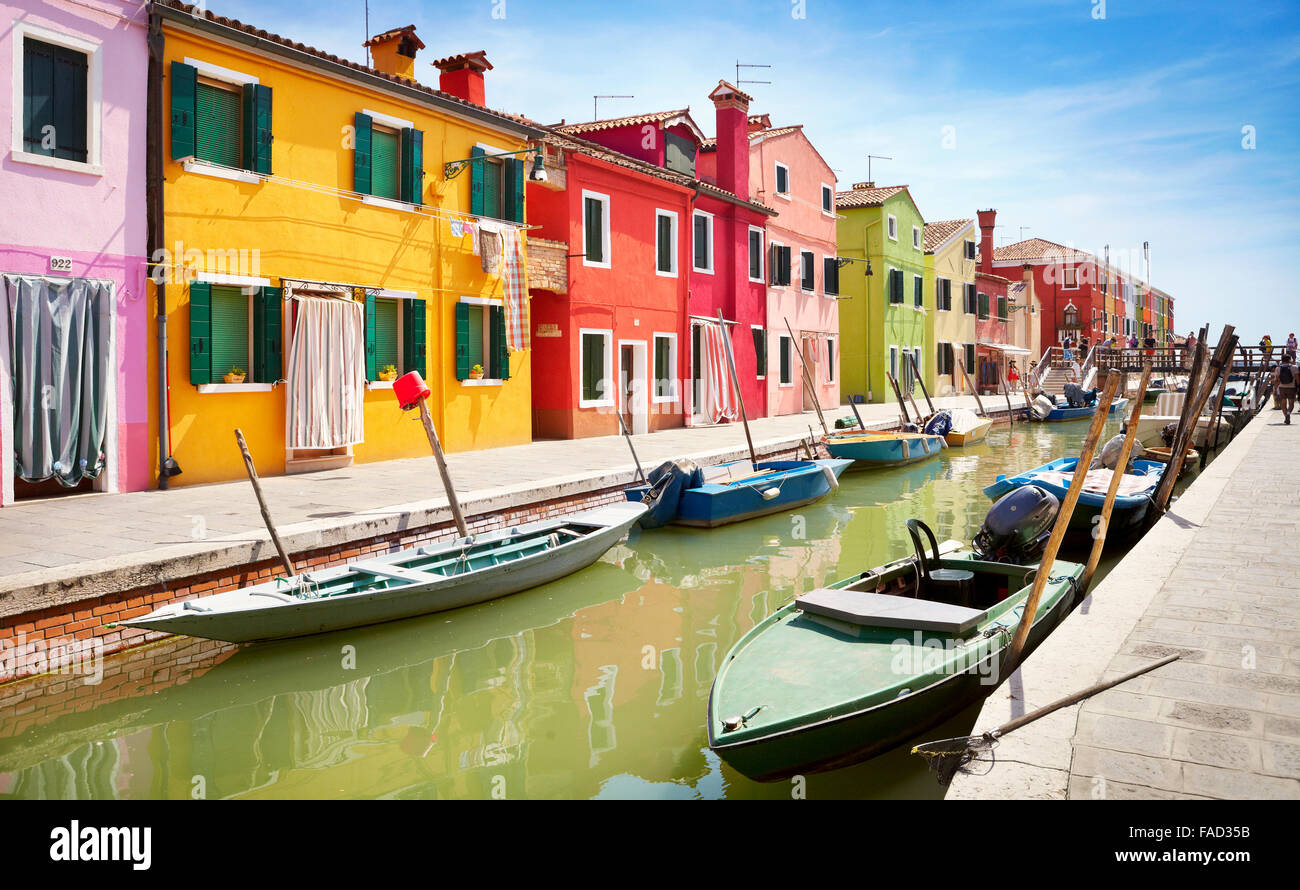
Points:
x=1013 y=375
x=1285 y=380
x=1189 y=351
x=1266 y=347
x=1291 y=345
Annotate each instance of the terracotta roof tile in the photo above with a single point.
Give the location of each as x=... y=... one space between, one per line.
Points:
x=938 y=233
x=392 y=33
x=867 y=197
x=1040 y=248
x=477 y=60
x=712 y=143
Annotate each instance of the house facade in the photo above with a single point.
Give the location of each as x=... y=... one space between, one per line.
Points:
x=75 y=313
x=1068 y=284
x=325 y=227
x=883 y=317
x=950 y=289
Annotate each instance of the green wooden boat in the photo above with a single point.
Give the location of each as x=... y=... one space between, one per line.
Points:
x=847 y=672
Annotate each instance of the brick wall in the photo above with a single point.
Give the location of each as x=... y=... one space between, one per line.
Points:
x=547 y=267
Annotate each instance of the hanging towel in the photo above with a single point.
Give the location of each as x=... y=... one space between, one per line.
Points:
x=516 y=293
x=327 y=375
x=457 y=229
x=491 y=246
x=720 y=394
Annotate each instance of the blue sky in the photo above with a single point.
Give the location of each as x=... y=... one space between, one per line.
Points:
x=1087 y=130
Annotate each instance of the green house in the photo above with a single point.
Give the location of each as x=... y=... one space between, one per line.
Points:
x=884 y=302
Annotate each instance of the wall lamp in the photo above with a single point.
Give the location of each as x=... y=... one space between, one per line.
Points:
x=452 y=169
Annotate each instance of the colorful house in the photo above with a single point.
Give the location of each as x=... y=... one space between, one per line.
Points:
x=608 y=280
x=325 y=226
x=883 y=318
x=74 y=310
x=950 y=287
x=994 y=346
x=1066 y=281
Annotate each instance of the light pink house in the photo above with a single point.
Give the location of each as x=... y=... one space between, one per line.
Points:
x=786 y=172
x=72 y=248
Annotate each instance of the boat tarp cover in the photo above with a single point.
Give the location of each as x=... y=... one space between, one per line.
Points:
x=964 y=420
x=1098 y=480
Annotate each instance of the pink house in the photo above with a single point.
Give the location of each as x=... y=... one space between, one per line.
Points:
x=74 y=309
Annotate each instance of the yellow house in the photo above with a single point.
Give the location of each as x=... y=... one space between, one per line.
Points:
x=950 y=283
x=326 y=226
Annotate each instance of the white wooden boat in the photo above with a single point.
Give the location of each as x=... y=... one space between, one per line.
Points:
x=412 y=582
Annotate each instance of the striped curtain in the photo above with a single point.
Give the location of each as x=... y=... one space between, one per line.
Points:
x=327 y=374
x=719 y=393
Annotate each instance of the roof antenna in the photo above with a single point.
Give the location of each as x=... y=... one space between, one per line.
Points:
x=367 y=41
x=878 y=158
x=739 y=66
x=595 y=115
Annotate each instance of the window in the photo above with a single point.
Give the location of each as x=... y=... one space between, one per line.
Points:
x=665 y=368
x=943 y=294
x=481 y=339
x=968 y=299
x=787 y=360
x=595 y=229
x=970 y=357
x=918 y=290
x=895 y=286
x=830 y=276
x=893 y=362
x=679 y=154
x=395 y=335
x=916 y=237
x=1002 y=310
x=807 y=271
x=666 y=243
x=222 y=117
x=893 y=227
x=779 y=264
x=970 y=249
x=755 y=254
x=782 y=180
x=983 y=305
x=596 y=362
x=703 y=241
x=917 y=367
x=385 y=331
x=234 y=327
x=217 y=124
x=55 y=109
x=943 y=359
x=385 y=156
x=760 y=351
x=496 y=188
x=830 y=359
x=1070 y=277
x=828 y=200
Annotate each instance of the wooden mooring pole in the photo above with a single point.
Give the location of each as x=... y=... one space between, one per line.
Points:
x=807 y=378
x=735 y=381
x=973 y=391
x=261 y=502
x=898 y=394
x=916 y=369
x=1198 y=392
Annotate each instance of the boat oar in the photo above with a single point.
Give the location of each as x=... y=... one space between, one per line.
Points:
x=925 y=392
x=1117 y=475
x=261 y=502
x=631 y=447
x=1062 y=524
x=973 y=391
x=807 y=379
x=735 y=381
x=946 y=756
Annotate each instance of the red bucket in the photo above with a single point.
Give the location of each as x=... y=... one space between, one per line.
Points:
x=410 y=388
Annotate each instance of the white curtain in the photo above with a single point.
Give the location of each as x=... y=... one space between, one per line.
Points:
x=327 y=374
x=719 y=393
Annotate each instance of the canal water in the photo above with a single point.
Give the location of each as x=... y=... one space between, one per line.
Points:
x=592 y=687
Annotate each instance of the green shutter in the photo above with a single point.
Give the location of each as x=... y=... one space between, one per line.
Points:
x=664 y=228
x=371 y=368
x=492 y=189
x=513 y=206
x=412 y=165
x=361 y=125
x=268 y=308
x=463 y=364
x=184 y=83
x=414 y=339
x=593 y=366
x=519 y=190
x=200 y=332
x=786 y=346
x=500 y=357
x=983 y=305
x=475 y=190
x=760 y=351
x=257 y=128
x=594 y=227
x=229 y=330
x=385 y=159
x=386 y=345
x=217 y=132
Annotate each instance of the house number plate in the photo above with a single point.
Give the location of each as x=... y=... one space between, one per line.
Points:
x=60 y=264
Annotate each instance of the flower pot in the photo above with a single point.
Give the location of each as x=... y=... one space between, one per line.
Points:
x=388 y=376
x=475 y=375
x=234 y=378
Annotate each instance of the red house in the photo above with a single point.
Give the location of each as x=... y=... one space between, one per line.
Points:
x=993 y=346
x=1068 y=285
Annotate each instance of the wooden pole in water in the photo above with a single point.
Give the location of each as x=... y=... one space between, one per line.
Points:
x=1212 y=434
x=735 y=381
x=917 y=371
x=964 y=376
x=852 y=405
x=1006 y=391
x=1048 y=561
x=636 y=460
x=807 y=379
x=261 y=502
x=1198 y=398
x=898 y=394
x=1117 y=475
x=461 y=528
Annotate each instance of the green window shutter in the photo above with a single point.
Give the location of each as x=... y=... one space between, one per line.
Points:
x=514 y=190
x=184 y=85
x=268 y=308
x=412 y=166
x=1002 y=310
x=492 y=189
x=361 y=125
x=217 y=132
x=593 y=223
x=664 y=229
x=786 y=346
x=200 y=332
x=786 y=265
x=830 y=276
x=38 y=93
x=229 y=330
x=54 y=95
x=500 y=355
x=664 y=373
x=414 y=339
x=256 y=117
x=371 y=367
x=760 y=351
x=593 y=366
x=983 y=305
x=386 y=345
x=385 y=157
x=475 y=186
x=463 y=364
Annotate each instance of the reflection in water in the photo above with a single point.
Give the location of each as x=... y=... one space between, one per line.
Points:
x=594 y=686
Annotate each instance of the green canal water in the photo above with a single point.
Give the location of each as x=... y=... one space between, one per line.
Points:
x=592 y=687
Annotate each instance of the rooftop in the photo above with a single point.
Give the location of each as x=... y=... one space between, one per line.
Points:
x=937 y=234
x=867 y=194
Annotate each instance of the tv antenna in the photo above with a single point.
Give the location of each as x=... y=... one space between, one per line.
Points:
x=739 y=65
x=1022 y=231
x=595 y=115
x=878 y=158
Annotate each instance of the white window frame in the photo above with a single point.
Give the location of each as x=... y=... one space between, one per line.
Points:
x=484 y=302
x=828 y=190
x=916 y=238
x=1074 y=270
x=767 y=352
x=606 y=377
x=891 y=227
x=776 y=181
x=608 y=260
x=675 y=396
x=770 y=244
x=695 y=264
x=784 y=343
x=802 y=255
x=206 y=168
x=762 y=255
x=889 y=300
x=672 y=215
x=93 y=165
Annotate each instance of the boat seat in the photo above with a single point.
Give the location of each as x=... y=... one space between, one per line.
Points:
x=934 y=582
x=886 y=610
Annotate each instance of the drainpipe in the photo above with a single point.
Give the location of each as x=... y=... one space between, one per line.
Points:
x=688 y=416
x=154 y=221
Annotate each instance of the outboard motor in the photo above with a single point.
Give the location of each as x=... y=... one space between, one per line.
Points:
x=1043 y=406
x=1017 y=526
x=667 y=482
x=940 y=424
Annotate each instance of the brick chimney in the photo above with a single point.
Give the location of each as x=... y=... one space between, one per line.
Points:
x=986 y=218
x=393 y=52
x=462 y=75
x=733 y=138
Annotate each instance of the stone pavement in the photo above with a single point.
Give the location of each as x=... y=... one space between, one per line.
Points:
x=1216 y=581
x=51 y=543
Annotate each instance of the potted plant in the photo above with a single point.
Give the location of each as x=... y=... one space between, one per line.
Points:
x=234 y=375
x=476 y=372
x=389 y=373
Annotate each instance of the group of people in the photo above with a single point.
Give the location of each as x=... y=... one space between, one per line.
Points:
x=1286 y=375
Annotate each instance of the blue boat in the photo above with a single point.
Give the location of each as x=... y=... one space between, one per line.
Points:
x=878 y=448
x=1131 y=502
x=1117 y=405
x=1058 y=413
x=684 y=494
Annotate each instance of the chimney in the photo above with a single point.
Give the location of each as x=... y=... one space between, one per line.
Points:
x=863 y=186
x=986 y=218
x=733 y=138
x=393 y=52
x=759 y=122
x=462 y=75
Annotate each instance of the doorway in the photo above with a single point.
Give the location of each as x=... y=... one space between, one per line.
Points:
x=633 y=386
x=810 y=361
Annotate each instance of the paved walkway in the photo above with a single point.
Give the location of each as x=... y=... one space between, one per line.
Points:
x=1216 y=581
x=57 y=541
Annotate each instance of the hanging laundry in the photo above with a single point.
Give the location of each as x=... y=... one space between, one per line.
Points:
x=491 y=245
x=457 y=229
x=720 y=394
x=516 y=294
